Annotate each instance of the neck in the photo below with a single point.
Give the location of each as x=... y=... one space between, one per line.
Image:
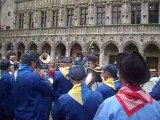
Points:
x=76 y=82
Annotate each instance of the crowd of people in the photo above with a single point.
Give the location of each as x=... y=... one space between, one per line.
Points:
x=113 y=92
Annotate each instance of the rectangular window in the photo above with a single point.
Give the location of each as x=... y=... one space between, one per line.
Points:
x=21 y=21
x=30 y=20
x=55 y=18
x=101 y=15
x=83 y=16
x=136 y=14
x=9 y=13
x=116 y=14
x=43 y=19
x=70 y=17
x=153 y=12
x=8 y=27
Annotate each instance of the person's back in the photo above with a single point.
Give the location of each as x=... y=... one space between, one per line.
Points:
x=111 y=109
x=108 y=91
x=71 y=108
x=110 y=85
x=80 y=103
x=5 y=90
x=31 y=95
x=131 y=102
x=61 y=85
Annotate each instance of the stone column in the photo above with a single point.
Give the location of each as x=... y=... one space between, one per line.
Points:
x=36 y=17
x=108 y=14
x=25 y=20
x=92 y=12
x=144 y=13
x=67 y=52
x=3 y=50
x=76 y=16
x=52 y=52
x=126 y=10
x=49 y=18
x=101 y=57
x=62 y=16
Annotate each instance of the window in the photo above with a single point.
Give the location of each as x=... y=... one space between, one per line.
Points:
x=9 y=13
x=30 y=20
x=55 y=19
x=101 y=15
x=116 y=14
x=83 y=16
x=70 y=17
x=136 y=14
x=153 y=13
x=21 y=21
x=8 y=27
x=43 y=19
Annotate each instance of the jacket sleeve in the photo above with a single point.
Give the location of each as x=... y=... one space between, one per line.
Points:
x=155 y=93
x=57 y=112
x=43 y=86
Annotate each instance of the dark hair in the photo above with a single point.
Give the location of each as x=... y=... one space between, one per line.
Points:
x=4 y=64
x=133 y=68
x=77 y=72
x=91 y=57
x=29 y=56
x=10 y=53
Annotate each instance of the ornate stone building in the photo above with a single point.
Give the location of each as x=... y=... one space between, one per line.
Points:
x=67 y=27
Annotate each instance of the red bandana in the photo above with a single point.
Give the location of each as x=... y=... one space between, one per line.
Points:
x=132 y=98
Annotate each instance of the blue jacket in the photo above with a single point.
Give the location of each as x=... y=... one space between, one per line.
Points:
x=31 y=95
x=111 y=109
x=79 y=104
x=5 y=96
x=108 y=90
x=61 y=85
x=155 y=93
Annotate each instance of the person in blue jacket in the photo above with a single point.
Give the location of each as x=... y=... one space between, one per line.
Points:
x=111 y=84
x=80 y=103
x=131 y=102
x=5 y=90
x=31 y=93
x=155 y=93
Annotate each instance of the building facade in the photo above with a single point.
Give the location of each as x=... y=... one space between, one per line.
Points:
x=68 y=27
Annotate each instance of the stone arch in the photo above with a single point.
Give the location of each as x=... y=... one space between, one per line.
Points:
x=151 y=42
x=75 y=50
x=9 y=46
x=110 y=52
x=46 y=48
x=75 y=42
x=60 y=51
x=93 y=48
x=20 y=50
x=131 y=46
x=152 y=53
x=32 y=46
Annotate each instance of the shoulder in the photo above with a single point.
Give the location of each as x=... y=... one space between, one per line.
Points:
x=95 y=94
x=104 y=87
x=64 y=99
x=57 y=75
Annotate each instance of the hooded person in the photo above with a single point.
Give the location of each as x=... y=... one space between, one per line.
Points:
x=111 y=84
x=80 y=103
x=131 y=102
x=31 y=93
x=5 y=90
